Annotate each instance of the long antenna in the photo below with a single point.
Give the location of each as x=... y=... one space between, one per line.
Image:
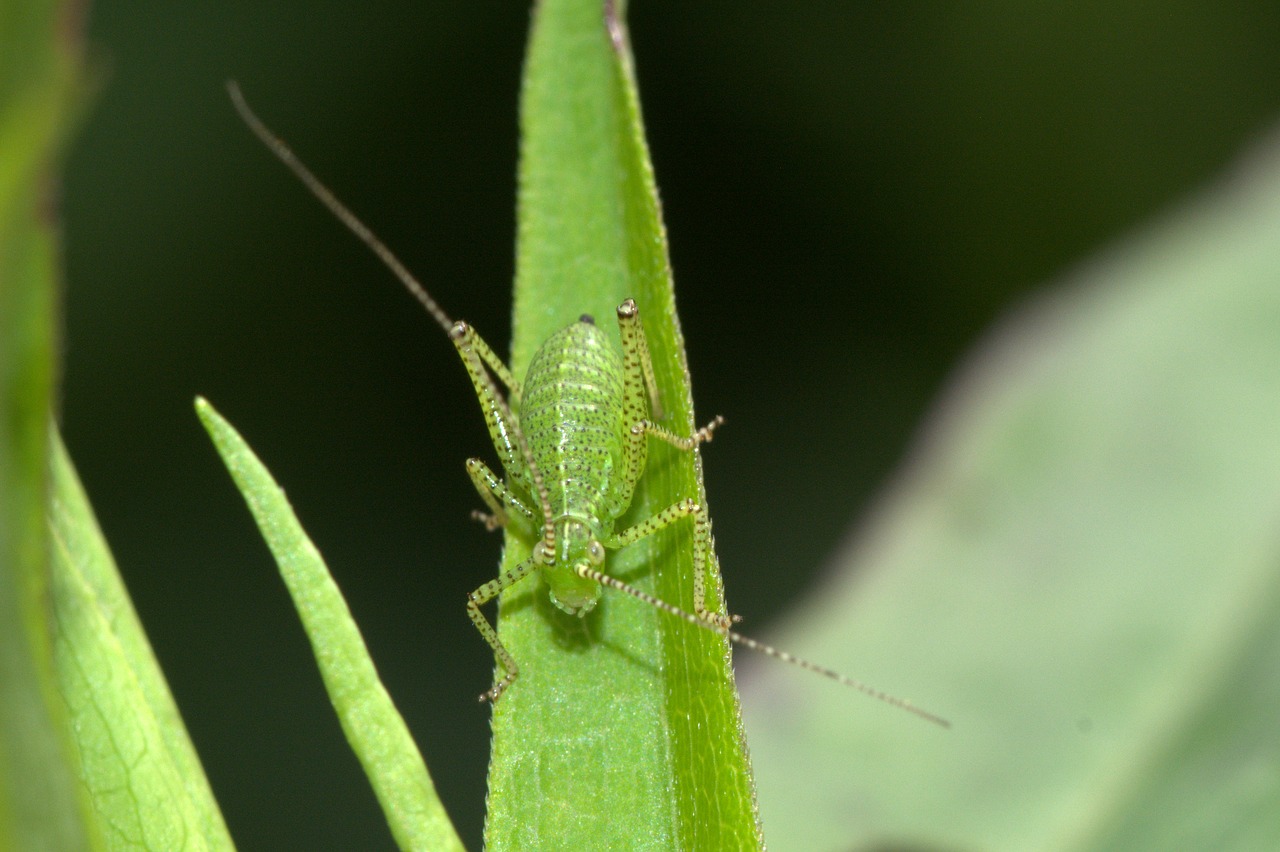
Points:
x=738 y=639
x=282 y=151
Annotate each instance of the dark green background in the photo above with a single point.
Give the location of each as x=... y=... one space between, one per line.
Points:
x=854 y=192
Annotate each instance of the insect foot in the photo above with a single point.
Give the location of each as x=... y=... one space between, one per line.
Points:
x=491 y=523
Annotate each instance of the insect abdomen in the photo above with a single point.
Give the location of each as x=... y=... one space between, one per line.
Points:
x=571 y=411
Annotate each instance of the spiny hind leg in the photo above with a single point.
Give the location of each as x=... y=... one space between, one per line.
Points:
x=704 y=561
x=479 y=598
x=503 y=503
x=641 y=404
x=641 y=408
x=638 y=383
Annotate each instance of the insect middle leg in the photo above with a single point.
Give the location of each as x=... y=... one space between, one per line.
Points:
x=702 y=550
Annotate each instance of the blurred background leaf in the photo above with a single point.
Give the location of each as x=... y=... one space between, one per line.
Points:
x=1080 y=566
x=854 y=190
x=42 y=806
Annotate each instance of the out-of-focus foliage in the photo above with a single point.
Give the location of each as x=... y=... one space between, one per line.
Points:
x=1080 y=566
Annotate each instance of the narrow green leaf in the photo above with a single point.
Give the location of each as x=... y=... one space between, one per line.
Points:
x=41 y=804
x=1081 y=569
x=373 y=726
x=623 y=729
x=137 y=761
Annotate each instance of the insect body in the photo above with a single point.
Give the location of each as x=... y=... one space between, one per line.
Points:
x=573 y=441
x=573 y=456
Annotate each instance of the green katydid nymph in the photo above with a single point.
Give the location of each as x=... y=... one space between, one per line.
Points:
x=573 y=442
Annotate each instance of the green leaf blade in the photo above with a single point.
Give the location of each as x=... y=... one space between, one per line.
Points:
x=622 y=726
x=41 y=803
x=374 y=728
x=137 y=791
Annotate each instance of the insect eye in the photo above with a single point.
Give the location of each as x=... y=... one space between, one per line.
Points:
x=595 y=552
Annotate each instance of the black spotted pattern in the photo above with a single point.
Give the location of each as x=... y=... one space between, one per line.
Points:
x=571 y=414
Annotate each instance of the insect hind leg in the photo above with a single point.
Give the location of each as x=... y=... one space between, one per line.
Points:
x=642 y=404
x=637 y=365
x=467 y=336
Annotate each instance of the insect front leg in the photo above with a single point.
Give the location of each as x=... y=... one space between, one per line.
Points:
x=464 y=335
x=501 y=500
x=482 y=596
x=702 y=550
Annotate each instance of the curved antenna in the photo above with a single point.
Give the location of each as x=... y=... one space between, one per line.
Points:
x=282 y=151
